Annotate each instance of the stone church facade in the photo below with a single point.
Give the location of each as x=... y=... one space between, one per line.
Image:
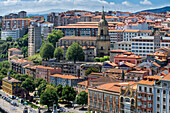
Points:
x=92 y=46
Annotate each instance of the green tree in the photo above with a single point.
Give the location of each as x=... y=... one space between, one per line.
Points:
x=39 y=81
x=47 y=51
x=4 y=71
x=41 y=88
x=55 y=36
x=9 y=38
x=68 y=93
x=90 y=70
x=5 y=64
x=59 y=90
x=58 y=53
x=75 y=52
x=28 y=84
x=49 y=96
x=81 y=99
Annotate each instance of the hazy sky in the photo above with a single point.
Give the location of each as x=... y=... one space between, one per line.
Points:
x=33 y=6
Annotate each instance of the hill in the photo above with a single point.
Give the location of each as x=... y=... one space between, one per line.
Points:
x=158 y=10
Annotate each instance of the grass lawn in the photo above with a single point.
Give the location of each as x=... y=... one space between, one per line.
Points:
x=33 y=105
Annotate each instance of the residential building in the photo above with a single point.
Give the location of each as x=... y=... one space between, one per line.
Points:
x=128 y=98
x=104 y=98
x=15 y=24
x=108 y=65
x=17 y=65
x=127 y=57
x=14 y=52
x=135 y=75
x=45 y=72
x=123 y=45
x=165 y=42
x=144 y=45
x=115 y=36
x=22 y=14
x=15 y=33
x=128 y=34
x=34 y=39
x=30 y=70
x=10 y=84
x=115 y=73
x=161 y=95
x=116 y=52
x=145 y=95
x=64 y=80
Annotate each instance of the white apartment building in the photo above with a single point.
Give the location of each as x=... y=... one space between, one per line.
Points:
x=13 y=33
x=165 y=42
x=124 y=45
x=162 y=95
x=128 y=34
x=115 y=36
x=34 y=39
x=143 y=45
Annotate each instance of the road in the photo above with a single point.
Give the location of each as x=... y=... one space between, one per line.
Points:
x=13 y=109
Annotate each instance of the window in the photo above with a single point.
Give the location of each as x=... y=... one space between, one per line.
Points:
x=164 y=106
x=145 y=89
x=164 y=92
x=164 y=99
x=150 y=90
x=158 y=91
x=158 y=99
x=157 y=105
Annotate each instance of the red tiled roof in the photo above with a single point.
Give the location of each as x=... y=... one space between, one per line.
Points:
x=79 y=38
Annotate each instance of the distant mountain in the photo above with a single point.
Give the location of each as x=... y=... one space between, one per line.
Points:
x=158 y=10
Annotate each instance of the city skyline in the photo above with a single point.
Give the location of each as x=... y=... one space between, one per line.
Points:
x=40 y=6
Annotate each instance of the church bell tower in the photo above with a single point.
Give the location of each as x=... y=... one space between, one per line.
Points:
x=103 y=40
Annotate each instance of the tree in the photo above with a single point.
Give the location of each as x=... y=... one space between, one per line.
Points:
x=68 y=93
x=58 y=53
x=41 y=88
x=4 y=71
x=9 y=38
x=39 y=81
x=28 y=84
x=5 y=64
x=55 y=36
x=59 y=90
x=49 y=96
x=90 y=70
x=75 y=52
x=46 y=51
x=81 y=99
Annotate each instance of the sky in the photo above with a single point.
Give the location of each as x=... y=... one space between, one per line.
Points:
x=40 y=6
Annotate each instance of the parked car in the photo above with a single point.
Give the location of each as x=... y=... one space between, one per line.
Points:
x=11 y=96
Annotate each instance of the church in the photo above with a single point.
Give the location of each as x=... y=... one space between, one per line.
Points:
x=98 y=46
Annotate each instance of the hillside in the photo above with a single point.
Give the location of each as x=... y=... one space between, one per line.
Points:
x=158 y=10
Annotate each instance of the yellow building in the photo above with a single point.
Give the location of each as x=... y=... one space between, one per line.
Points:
x=9 y=84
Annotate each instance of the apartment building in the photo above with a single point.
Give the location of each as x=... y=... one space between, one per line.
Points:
x=162 y=95
x=123 y=45
x=165 y=42
x=14 y=52
x=128 y=34
x=34 y=39
x=45 y=72
x=15 y=23
x=143 y=45
x=145 y=95
x=64 y=80
x=104 y=98
x=135 y=75
x=115 y=36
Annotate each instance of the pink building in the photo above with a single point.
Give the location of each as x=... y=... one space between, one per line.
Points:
x=45 y=72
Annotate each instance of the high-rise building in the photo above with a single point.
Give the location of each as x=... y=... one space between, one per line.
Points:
x=34 y=39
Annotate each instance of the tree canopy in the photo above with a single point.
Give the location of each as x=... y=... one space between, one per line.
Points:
x=49 y=96
x=68 y=93
x=5 y=64
x=47 y=50
x=75 y=52
x=39 y=81
x=55 y=36
x=81 y=99
x=59 y=90
x=41 y=88
x=90 y=70
x=9 y=38
x=58 y=53
x=28 y=84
